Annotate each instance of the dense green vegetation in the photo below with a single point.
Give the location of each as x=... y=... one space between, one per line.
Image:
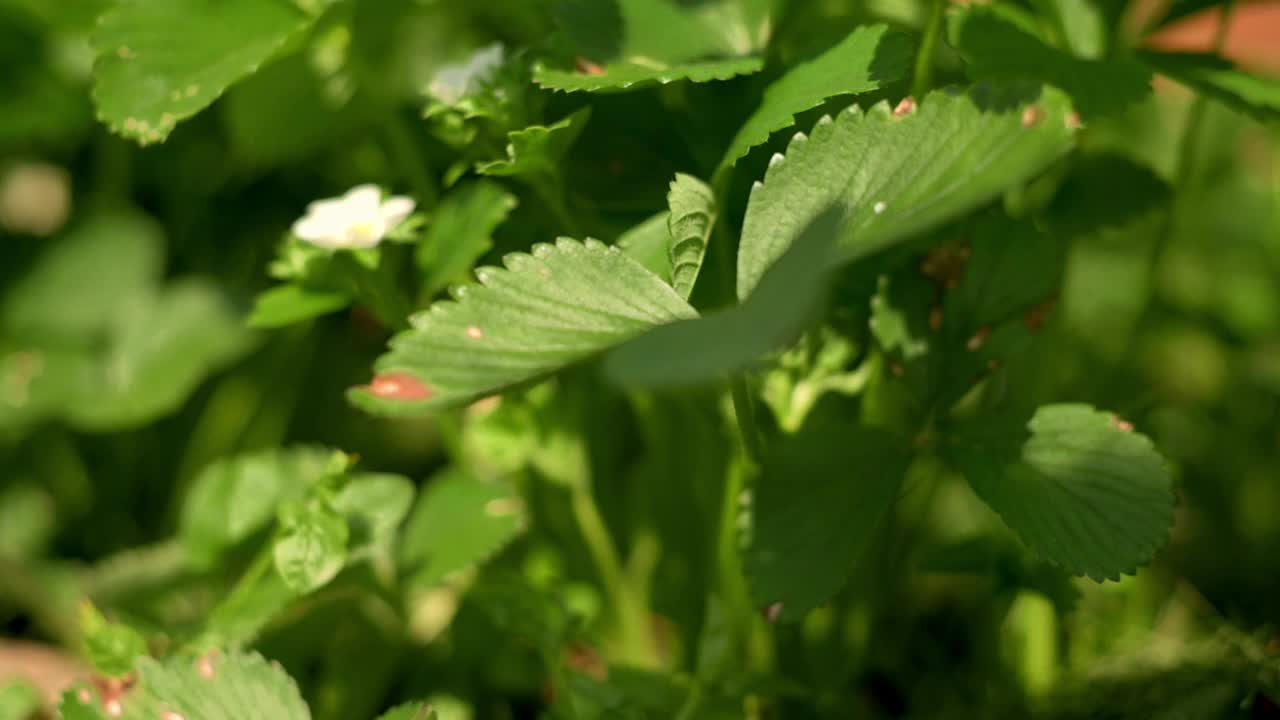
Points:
x=635 y=359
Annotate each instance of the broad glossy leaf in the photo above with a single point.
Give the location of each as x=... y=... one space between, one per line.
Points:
x=895 y=175
x=691 y=218
x=1078 y=485
x=710 y=348
x=535 y=152
x=292 y=303
x=815 y=509
x=231 y=686
x=458 y=523
x=161 y=61
x=1257 y=96
x=869 y=58
x=312 y=546
x=461 y=232
x=545 y=311
x=236 y=497
x=999 y=47
x=625 y=44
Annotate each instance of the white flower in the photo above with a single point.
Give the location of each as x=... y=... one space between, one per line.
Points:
x=358 y=219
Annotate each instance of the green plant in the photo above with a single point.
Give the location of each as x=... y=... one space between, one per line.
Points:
x=725 y=454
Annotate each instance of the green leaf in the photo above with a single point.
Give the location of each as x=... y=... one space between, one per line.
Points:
x=814 y=512
x=458 y=523
x=1078 y=486
x=871 y=57
x=649 y=244
x=292 y=303
x=18 y=700
x=236 y=497
x=691 y=218
x=112 y=648
x=999 y=46
x=628 y=44
x=895 y=176
x=1084 y=25
x=536 y=152
x=461 y=232
x=706 y=349
x=553 y=308
x=1105 y=191
x=410 y=711
x=232 y=686
x=374 y=504
x=161 y=350
x=67 y=296
x=1254 y=95
x=161 y=61
x=312 y=547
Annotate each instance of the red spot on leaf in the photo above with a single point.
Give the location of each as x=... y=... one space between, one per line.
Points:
x=399 y=386
x=586 y=67
x=1121 y=424
x=906 y=107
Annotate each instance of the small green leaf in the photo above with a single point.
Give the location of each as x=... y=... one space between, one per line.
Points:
x=458 y=523
x=292 y=303
x=871 y=57
x=236 y=497
x=548 y=310
x=814 y=512
x=461 y=232
x=112 y=648
x=312 y=547
x=374 y=504
x=535 y=152
x=896 y=175
x=649 y=244
x=410 y=711
x=162 y=61
x=691 y=218
x=706 y=349
x=1079 y=486
x=18 y=700
x=999 y=47
x=629 y=44
x=232 y=686
x=1254 y=95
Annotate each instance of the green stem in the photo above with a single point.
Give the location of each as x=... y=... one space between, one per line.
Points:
x=745 y=412
x=630 y=608
x=922 y=80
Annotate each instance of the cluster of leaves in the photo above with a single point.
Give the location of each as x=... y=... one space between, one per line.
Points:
x=705 y=457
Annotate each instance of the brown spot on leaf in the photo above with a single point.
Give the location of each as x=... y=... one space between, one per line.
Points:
x=399 y=386
x=897 y=370
x=1121 y=424
x=905 y=107
x=979 y=339
x=206 y=666
x=585 y=659
x=1073 y=121
x=474 y=332
x=1032 y=116
x=773 y=612
x=1036 y=316
x=944 y=265
x=586 y=67
x=935 y=317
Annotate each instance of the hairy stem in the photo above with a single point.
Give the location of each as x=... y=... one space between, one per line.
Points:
x=922 y=80
x=629 y=606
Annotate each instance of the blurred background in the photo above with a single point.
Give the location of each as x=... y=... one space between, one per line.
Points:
x=126 y=366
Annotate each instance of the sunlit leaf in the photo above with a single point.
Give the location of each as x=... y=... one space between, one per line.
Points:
x=1079 y=486
x=458 y=523
x=625 y=44
x=869 y=58
x=535 y=152
x=895 y=175
x=162 y=61
x=691 y=218
x=231 y=686
x=545 y=311
x=312 y=546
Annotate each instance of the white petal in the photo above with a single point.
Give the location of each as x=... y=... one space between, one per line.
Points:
x=396 y=209
x=364 y=235
x=363 y=202
x=319 y=230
